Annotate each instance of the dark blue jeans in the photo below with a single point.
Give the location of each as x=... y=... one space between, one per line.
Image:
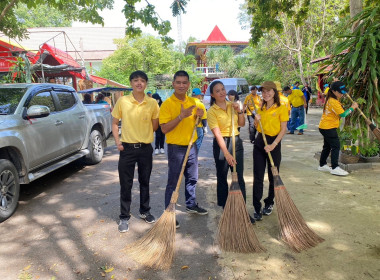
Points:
x=297 y=112
x=176 y=155
x=200 y=134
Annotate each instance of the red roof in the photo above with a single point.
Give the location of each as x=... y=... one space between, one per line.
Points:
x=8 y=58
x=216 y=35
x=60 y=56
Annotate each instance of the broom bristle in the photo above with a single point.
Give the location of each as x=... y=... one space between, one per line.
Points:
x=293 y=229
x=156 y=248
x=376 y=132
x=236 y=233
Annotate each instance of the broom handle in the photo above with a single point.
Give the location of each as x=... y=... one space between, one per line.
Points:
x=176 y=191
x=233 y=134
x=262 y=132
x=360 y=111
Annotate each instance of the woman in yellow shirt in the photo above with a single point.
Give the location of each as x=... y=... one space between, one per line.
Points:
x=332 y=112
x=219 y=121
x=274 y=117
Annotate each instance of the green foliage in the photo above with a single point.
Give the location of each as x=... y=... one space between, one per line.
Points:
x=178 y=7
x=150 y=55
x=85 y=11
x=369 y=148
x=17 y=73
x=347 y=138
x=41 y=16
x=265 y=15
x=359 y=67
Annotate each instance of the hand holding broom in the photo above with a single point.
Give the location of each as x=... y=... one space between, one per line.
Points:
x=374 y=129
x=293 y=229
x=156 y=248
x=235 y=231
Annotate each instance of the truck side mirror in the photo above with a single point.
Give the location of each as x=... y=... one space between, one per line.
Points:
x=37 y=111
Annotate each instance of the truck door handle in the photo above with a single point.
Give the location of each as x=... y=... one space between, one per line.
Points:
x=81 y=116
x=58 y=122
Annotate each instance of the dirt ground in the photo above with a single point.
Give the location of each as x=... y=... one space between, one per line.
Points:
x=66 y=224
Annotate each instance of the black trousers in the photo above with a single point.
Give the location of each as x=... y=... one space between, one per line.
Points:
x=260 y=161
x=160 y=139
x=222 y=169
x=330 y=143
x=127 y=162
x=251 y=128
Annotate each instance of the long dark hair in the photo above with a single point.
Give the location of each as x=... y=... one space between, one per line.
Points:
x=276 y=98
x=330 y=94
x=212 y=85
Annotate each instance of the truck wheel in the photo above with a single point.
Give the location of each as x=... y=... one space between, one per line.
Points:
x=9 y=189
x=96 y=147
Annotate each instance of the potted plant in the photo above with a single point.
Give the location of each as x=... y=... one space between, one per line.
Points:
x=348 y=149
x=369 y=151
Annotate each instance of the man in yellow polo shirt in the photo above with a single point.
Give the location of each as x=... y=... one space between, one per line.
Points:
x=249 y=108
x=298 y=101
x=139 y=119
x=177 y=119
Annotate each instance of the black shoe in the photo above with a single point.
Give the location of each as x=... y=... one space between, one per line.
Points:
x=268 y=210
x=257 y=216
x=252 y=219
x=123 y=225
x=196 y=210
x=147 y=217
x=176 y=224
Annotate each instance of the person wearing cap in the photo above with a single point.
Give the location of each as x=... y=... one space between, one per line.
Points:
x=274 y=117
x=248 y=107
x=202 y=126
x=160 y=137
x=298 y=102
x=178 y=114
x=219 y=120
x=139 y=119
x=149 y=93
x=332 y=112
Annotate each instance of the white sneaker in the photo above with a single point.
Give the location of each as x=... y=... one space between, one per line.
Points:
x=339 y=171
x=156 y=151
x=162 y=151
x=324 y=168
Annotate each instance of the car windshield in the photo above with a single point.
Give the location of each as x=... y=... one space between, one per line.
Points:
x=9 y=99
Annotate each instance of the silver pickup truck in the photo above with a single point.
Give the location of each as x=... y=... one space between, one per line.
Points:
x=42 y=128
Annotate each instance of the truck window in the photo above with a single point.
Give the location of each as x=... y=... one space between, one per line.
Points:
x=66 y=99
x=9 y=99
x=43 y=98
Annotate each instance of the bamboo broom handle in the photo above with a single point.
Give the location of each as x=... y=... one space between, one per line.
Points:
x=263 y=133
x=176 y=191
x=360 y=111
x=233 y=132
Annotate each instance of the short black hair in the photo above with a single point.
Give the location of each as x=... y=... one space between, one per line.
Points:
x=297 y=82
x=253 y=87
x=286 y=88
x=181 y=73
x=138 y=74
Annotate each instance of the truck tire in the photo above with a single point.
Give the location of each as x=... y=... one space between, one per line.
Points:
x=96 y=148
x=9 y=189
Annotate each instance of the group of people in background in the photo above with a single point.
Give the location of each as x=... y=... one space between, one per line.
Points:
x=175 y=119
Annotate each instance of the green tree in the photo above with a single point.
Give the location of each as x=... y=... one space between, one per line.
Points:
x=41 y=16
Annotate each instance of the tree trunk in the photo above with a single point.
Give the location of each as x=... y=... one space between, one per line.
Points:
x=356 y=6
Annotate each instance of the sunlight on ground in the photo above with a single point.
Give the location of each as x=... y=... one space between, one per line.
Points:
x=341 y=247
x=334 y=275
x=320 y=227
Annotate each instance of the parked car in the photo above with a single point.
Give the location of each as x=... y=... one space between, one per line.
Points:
x=42 y=128
x=238 y=84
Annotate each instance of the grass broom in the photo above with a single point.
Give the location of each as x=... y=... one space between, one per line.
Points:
x=156 y=248
x=375 y=130
x=235 y=231
x=293 y=229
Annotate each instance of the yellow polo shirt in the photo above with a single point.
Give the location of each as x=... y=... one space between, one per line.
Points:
x=136 y=118
x=256 y=99
x=284 y=101
x=296 y=98
x=330 y=116
x=200 y=105
x=170 y=109
x=271 y=119
x=217 y=117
